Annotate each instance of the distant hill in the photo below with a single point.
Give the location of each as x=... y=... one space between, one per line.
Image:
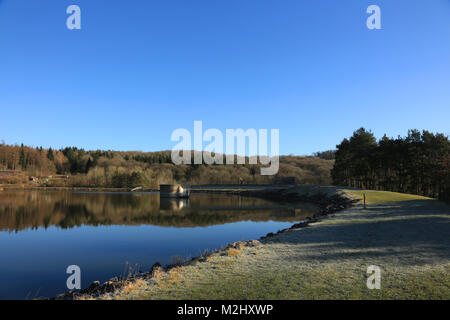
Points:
x=80 y=168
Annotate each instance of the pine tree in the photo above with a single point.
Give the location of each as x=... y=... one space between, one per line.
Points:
x=50 y=154
x=23 y=158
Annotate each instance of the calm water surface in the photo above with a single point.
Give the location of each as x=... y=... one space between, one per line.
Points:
x=43 y=232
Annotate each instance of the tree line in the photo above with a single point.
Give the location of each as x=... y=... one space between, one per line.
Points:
x=99 y=168
x=418 y=163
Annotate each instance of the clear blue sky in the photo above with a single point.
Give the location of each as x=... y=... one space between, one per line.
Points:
x=137 y=70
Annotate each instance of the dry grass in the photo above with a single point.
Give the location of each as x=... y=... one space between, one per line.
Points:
x=87 y=298
x=134 y=285
x=174 y=275
x=226 y=262
x=177 y=260
x=232 y=252
x=158 y=274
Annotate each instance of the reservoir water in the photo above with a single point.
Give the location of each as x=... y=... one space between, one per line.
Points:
x=110 y=234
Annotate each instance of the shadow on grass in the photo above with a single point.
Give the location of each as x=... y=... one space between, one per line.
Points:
x=416 y=231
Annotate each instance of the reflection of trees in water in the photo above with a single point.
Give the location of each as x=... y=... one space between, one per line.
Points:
x=21 y=210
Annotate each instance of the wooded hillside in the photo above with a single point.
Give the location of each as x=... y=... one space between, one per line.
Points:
x=80 y=168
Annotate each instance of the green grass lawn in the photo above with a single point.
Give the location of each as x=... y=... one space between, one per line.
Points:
x=375 y=197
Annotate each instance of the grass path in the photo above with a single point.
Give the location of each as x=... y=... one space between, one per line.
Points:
x=406 y=236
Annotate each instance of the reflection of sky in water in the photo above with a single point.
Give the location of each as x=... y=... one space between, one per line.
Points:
x=34 y=261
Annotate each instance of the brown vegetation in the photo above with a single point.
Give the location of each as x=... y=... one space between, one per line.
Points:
x=73 y=167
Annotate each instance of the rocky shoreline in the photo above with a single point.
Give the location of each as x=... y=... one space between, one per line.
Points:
x=328 y=204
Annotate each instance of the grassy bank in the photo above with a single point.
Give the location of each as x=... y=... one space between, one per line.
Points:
x=405 y=235
x=377 y=197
